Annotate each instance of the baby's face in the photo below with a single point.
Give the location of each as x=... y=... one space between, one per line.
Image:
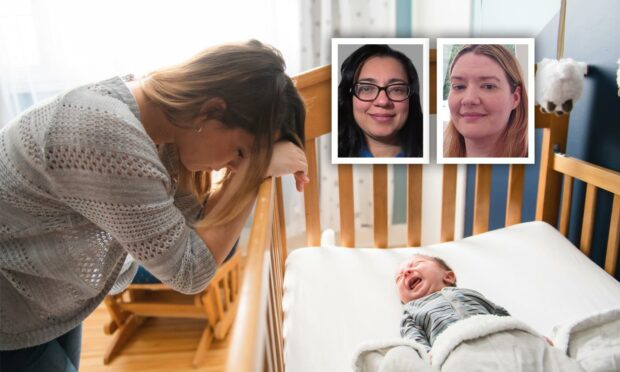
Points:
x=421 y=276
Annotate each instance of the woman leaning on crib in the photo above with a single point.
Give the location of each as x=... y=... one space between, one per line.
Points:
x=379 y=111
x=116 y=168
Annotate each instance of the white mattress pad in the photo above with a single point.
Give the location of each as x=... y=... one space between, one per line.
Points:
x=338 y=298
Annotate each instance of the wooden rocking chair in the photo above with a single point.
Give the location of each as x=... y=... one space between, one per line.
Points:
x=217 y=304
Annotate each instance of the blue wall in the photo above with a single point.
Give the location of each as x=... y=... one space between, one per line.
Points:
x=594 y=131
x=592 y=36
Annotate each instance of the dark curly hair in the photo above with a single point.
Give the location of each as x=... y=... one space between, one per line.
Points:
x=350 y=137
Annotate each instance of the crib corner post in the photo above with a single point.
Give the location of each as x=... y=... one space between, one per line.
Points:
x=555 y=132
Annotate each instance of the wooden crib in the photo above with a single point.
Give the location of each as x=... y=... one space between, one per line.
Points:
x=257 y=336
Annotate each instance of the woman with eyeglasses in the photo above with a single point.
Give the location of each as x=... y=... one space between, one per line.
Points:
x=123 y=168
x=379 y=111
x=488 y=104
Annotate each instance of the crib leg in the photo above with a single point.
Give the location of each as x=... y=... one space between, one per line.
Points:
x=203 y=347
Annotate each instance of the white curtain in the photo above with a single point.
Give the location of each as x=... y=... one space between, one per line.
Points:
x=321 y=20
x=47 y=46
x=50 y=45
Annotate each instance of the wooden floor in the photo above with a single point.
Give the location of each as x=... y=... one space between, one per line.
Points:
x=159 y=345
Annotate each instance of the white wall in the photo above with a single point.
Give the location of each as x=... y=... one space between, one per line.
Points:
x=441 y=18
x=510 y=18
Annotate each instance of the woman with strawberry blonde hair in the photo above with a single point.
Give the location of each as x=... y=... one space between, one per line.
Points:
x=488 y=104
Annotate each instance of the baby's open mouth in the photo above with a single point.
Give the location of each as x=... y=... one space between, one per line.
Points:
x=412 y=282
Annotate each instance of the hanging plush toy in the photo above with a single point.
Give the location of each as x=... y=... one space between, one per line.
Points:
x=559 y=84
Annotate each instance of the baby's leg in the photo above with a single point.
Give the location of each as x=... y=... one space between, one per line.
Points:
x=403 y=359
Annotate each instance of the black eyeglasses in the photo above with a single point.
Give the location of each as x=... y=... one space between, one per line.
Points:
x=369 y=92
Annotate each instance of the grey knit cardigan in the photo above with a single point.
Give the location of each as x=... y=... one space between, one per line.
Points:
x=82 y=185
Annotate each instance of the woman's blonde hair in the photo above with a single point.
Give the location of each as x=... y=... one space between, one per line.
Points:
x=260 y=98
x=513 y=141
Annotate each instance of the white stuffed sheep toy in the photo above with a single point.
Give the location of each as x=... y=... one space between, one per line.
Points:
x=559 y=84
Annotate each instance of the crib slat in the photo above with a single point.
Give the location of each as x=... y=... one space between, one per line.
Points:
x=279 y=314
x=226 y=296
x=347 y=210
x=311 y=197
x=278 y=268
x=217 y=298
x=448 y=202
x=276 y=258
x=272 y=350
x=210 y=307
x=380 y=205
x=281 y=220
x=514 y=199
x=233 y=284
x=567 y=193
x=588 y=219
x=275 y=325
x=613 y=241
x=272 y=313
x=482 y=198
x=278 y=241
x=414 y=205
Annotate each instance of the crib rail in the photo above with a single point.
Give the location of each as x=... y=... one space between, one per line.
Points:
x=249 y=341
x=595 y=178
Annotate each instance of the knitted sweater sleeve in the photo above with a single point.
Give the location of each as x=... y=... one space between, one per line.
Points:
x=103 y=166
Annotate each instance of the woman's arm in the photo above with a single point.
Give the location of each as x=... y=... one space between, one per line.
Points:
x=220 y=239
x=287 y=159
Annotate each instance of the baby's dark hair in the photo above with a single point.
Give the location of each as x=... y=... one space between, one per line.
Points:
x=443 y=265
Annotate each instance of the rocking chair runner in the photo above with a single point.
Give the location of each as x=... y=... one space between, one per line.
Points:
x=217 y=304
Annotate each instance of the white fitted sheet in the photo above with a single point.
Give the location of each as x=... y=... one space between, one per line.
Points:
x=335 y=298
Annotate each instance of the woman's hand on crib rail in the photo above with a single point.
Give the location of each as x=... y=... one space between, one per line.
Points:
x=287 y=158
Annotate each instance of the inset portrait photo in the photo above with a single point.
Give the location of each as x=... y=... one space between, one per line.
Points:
x=485 y=100
x=380 y=101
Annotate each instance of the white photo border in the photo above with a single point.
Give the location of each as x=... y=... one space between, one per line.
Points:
x=424 y=42
x=530 y=108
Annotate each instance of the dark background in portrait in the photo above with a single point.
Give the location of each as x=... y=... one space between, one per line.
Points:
x=413 y=51
x=594 y=133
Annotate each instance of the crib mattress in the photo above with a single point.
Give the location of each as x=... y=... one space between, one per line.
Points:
x=335 y=298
